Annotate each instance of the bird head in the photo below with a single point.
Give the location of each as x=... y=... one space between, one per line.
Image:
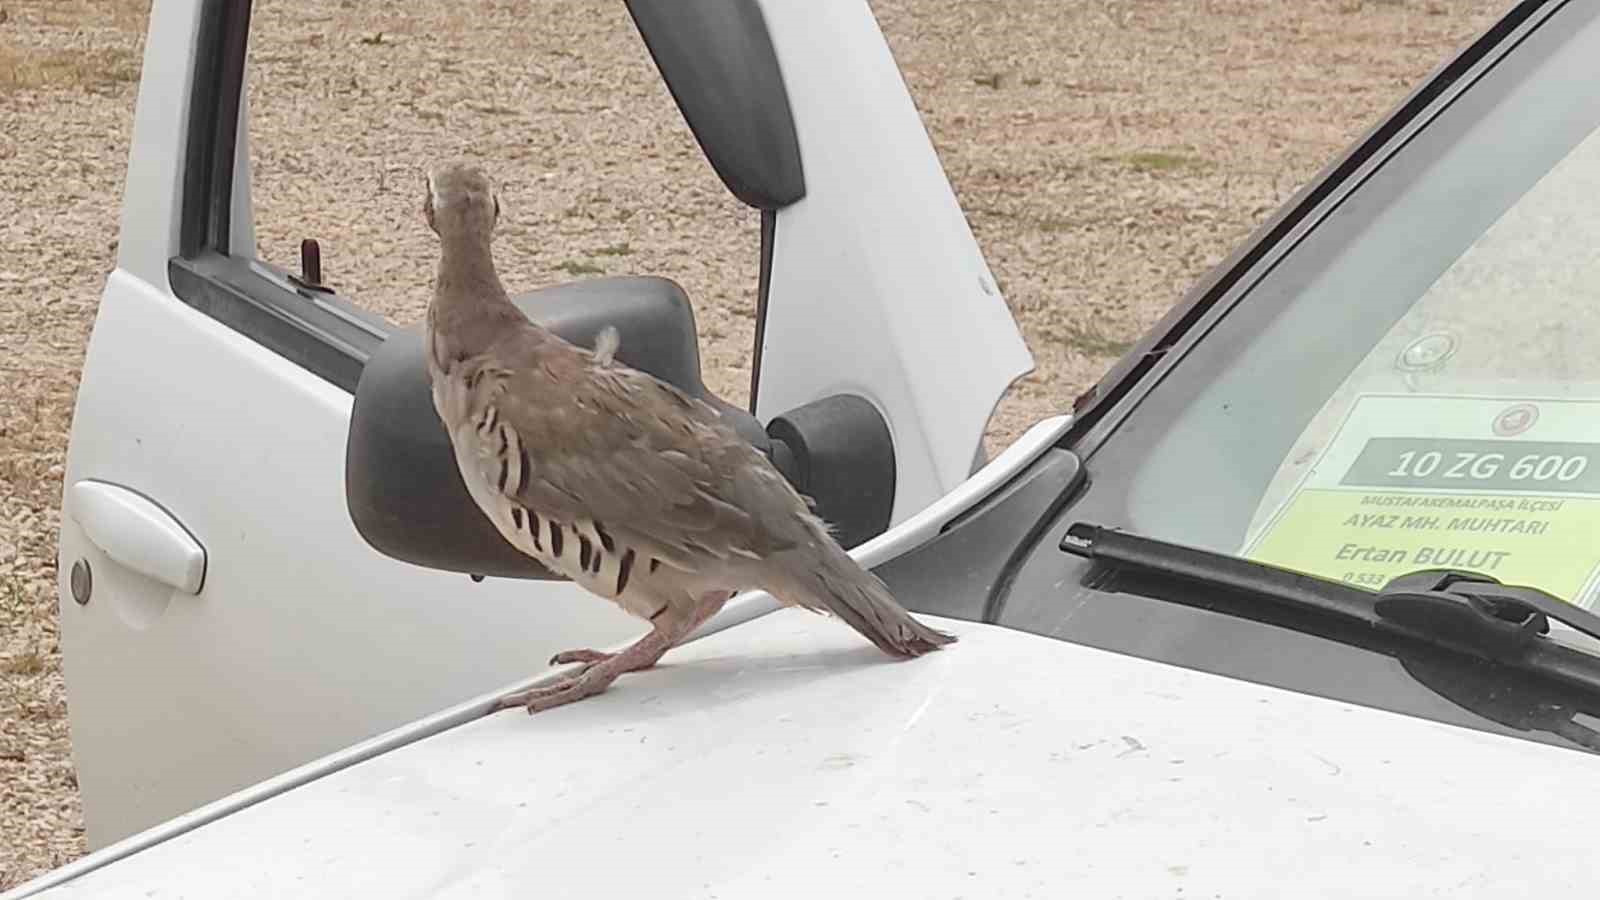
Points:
x=460 y=200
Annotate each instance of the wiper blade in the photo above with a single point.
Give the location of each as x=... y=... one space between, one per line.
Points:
x=1511 y=702
x=1463 y=611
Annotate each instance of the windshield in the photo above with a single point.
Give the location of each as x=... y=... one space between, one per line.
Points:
x=1416 y=385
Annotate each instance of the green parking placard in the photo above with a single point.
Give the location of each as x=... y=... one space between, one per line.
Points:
x=1506 y=487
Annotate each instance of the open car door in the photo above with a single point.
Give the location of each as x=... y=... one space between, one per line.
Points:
x=233 y=605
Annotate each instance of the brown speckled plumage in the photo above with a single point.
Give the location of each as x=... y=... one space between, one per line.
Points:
x=613 y=478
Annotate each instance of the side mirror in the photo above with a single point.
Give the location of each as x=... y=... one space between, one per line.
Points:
x=405 y=494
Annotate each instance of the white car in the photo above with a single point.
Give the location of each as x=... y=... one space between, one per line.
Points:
x=1297 y=601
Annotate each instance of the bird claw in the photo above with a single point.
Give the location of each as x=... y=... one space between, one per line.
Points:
x=596 y=673
x=570 y=689
x=576 y=685
x=590 y=657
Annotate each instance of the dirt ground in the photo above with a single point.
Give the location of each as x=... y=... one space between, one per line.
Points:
x=1105 y=152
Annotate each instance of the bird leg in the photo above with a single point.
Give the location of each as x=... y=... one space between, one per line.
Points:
x=600 y=668
x=710 y=603
x=595 y=675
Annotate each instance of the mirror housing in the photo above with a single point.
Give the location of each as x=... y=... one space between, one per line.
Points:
x=405 y=494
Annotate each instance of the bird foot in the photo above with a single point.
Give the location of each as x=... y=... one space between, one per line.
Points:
x=586 y=683
x=599 y=669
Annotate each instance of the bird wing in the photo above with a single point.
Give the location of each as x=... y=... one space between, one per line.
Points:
x=573 y=436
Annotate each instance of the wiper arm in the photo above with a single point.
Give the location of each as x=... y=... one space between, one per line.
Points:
x=1463 y=611
x=1476 y=609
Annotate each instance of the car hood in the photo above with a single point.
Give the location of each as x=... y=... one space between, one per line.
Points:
x=785 y=757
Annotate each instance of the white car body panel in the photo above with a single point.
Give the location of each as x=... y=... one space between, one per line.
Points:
x=302 y=638
x=128 y=754
x=787 y=758
x=153 y=192
x=878 y=286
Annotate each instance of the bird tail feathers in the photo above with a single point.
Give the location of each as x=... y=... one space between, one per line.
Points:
x=839 y=585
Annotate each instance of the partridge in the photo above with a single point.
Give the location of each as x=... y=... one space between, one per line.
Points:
x=614 y=479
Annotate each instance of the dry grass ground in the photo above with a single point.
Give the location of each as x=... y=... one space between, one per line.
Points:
x=1106 y=153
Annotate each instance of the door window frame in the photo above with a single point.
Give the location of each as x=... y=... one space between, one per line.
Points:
x=313 y=327
x=317 y=329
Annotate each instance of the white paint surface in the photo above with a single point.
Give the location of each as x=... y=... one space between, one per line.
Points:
x=787 y=758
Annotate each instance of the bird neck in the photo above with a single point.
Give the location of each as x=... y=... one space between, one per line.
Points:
x=470 y=309
x=466 y=274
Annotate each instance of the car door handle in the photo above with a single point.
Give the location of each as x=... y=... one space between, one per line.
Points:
x=134 y=531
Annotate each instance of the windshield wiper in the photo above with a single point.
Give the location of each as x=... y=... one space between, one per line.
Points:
x=1463 y=611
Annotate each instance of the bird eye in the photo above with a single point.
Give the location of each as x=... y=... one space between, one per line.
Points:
x=497 y=206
